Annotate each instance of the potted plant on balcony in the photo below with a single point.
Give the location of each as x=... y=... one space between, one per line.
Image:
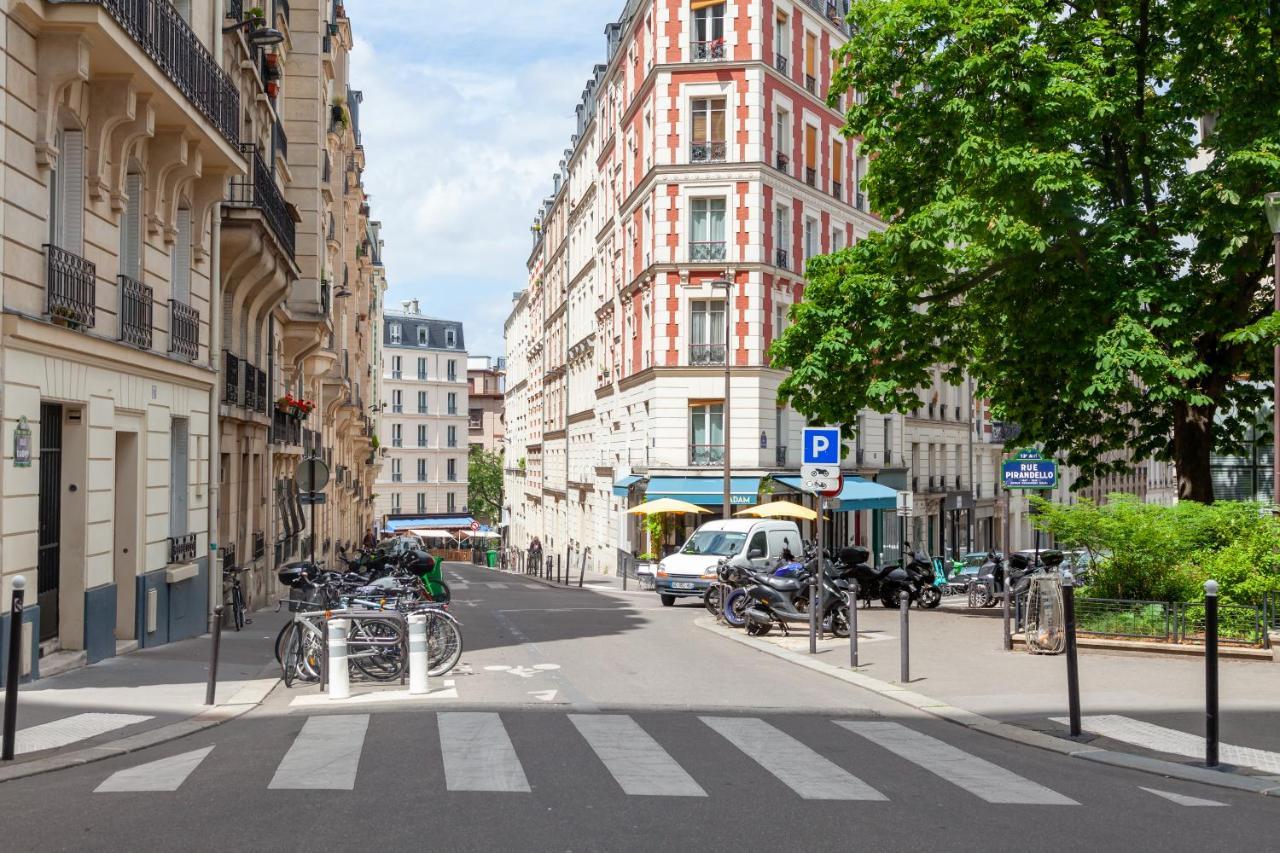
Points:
x=338 y=114
x=257 y=15
x=273 y=89
x=65 y=315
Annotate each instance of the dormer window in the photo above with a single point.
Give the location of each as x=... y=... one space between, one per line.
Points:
x=451 y=338
x=422 y=336
x=395 y=333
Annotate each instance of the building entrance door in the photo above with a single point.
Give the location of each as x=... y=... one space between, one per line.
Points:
x=49 y=559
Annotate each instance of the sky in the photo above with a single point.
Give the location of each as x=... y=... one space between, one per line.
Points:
x=465 y=118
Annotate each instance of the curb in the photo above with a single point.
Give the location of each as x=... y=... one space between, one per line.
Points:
x=215 y=716
x=1169 y=769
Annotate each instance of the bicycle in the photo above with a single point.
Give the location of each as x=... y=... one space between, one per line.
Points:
x=373 y=646
x=238 y=606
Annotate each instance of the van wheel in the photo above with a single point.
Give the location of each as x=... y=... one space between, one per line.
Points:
x=668 y=600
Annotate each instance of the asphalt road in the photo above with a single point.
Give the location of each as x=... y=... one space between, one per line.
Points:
x=600 y=721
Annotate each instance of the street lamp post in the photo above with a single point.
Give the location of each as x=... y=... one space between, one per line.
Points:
x=1272 y=204
x=728 y=349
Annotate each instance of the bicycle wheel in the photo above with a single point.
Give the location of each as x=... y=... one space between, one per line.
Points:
x=380 y=662
x=237 y=604
x=281 y=638
x=444 y=645
x=292 y=654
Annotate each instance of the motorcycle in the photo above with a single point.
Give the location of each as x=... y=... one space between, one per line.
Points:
x=774 y=600
x=994 y=577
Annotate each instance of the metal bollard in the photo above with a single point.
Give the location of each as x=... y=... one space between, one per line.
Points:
x=557 y=568
x=419 y=661
x=339 y=674
x=1211 y=673
x=1004 y=606
x=853 y=625
x=1073 y=671
x=215 y=628
x=904 y=628
x=13 y=670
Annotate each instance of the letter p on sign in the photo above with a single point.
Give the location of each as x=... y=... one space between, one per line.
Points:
x=821 y=446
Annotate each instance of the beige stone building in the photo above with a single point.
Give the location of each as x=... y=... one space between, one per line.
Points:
x=171 y=268
x=486 y=381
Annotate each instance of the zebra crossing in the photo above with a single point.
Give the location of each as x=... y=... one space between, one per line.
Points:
x=478 y=753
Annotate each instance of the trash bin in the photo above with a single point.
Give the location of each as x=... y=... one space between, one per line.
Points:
x=493 y=559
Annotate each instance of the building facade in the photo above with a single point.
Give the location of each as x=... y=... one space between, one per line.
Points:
x=486 y=380
x=425 y=401
x=706 y=170
x=158 y=298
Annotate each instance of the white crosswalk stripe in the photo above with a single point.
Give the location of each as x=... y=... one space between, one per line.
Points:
x=976 y=775
x=637 y=762
x=1182 y=799
x=1161 y=739
x=797 y=766
x=324 y=756
x=68 y=730
x=167 y=774
x=478 y=755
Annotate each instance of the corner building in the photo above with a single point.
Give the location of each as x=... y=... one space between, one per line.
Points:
x=705 y=153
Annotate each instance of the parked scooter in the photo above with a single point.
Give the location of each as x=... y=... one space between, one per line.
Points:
x=995 y=576
x=774 y=600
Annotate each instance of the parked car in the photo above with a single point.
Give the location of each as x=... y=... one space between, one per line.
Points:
x=691 y=570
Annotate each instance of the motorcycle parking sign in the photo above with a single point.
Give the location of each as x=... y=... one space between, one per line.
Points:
x=1029 y=470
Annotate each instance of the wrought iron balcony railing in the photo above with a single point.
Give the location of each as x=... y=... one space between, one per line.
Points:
x=780 y=259
x=708 y=51
x=710 y=250
x=230 y=379
x=706 y=454
x=701 y=355
x=71 y=288
x=781 y=63
x=259 y=544
x=811 y=83
x=836 y=189
x=136 y=308
x=184 y=330
x=182 y=549
x=782 y=162
x=262 y=391
x=250 y=386
x=158 y=28
x=229 y=556
x=258 y=190
x=811 y=176
x=860 y=200
x=708 y=152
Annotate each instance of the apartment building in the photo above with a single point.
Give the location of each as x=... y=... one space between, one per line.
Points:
x=425 y=401
x=159 y=297
x=705 y=171
x=486 y=377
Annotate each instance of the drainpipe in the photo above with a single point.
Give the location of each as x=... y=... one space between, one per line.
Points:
x=215 y=356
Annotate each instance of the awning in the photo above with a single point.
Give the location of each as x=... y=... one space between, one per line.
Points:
x=704 y=491
x=435 y=523
x=856 y=494
x=620 y=486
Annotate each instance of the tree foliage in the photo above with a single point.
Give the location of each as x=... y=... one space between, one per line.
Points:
x=1056 y=225
x=484 y=483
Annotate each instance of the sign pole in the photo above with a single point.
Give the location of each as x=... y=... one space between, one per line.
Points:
x=815 y=589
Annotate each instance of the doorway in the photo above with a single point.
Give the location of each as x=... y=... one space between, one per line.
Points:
x=125 y=551
x=49 y=552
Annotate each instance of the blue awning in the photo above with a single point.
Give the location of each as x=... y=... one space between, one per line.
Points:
x=705 y=491
x=621 y=486
x=857 y=493
x=439 y=522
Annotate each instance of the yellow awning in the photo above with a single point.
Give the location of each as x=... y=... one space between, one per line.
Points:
x=663 y=505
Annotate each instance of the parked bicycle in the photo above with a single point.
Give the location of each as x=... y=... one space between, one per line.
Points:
x=233 y=594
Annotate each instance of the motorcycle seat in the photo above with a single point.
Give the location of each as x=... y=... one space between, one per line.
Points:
x=783 y=584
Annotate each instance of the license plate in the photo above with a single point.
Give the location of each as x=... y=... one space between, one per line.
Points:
x=682 y=586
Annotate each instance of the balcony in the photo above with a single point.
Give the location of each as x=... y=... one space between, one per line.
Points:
x=397 y=476
x=860 y=200
x=184 y=330
x=811 y=84
x=71 y=286
x=422 y=376
x=712 y=250
x=453 y=410
x=780 y=259
x=158 y=28
x=708 y=51
x=833 y=10
x=230 y=379
x=250 y=386
x=783 y=162
x=702 y=355
x=397 y=409
x=782 y=64
x=836 y=189
x=182 y=549
x=229 y=557
x=262 y=392
x=780 y=456
x=285 y=430
x=811 y=176
x=136 y=308
x=708 y=152
x=706 y=455
x=259 y=545
x=258 y=191
x=937 y=484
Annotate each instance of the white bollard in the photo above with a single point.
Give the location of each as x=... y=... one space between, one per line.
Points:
x=339 y=676
x=419 y=661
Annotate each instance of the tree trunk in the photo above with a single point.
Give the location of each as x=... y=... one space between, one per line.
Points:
x=1192 y=446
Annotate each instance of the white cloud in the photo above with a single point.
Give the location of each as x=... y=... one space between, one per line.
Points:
x=466 y=113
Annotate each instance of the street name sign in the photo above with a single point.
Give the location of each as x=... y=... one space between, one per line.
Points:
x=312 y=498
x=1029 y=470
x=906 y=504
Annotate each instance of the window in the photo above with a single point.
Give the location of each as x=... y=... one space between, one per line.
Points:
x=180 y=282
x=779 y=318
x=451 y=338
x=394 y=330
x=422 y=369
x=707 y=242
x=706 y=434
x=859 y=172
x=453 y=403
x=781 y=236
x=811 y=62
x=422 y=501
x=708 y=131
x=837 y=238
x=475 y=419
x=397 y=436
x=810 y=155
x=131 y=229
x=422 y=470
x=706 y=334
x=782 y=43
x=66 y=194
x=888 y=440
x=396 y=473
x=422 y=402
x=451 y=436
x=422 y=336
x=451 y=470
x=837 y=167
x=450 y=502
x=395 y=367
x=452 y=370
x=708 y=29
x=811 y=247
x=183 y=8
x=422 y=435
x=782 y=140
x=395 y=503
x=178 y=477
x=397 y=402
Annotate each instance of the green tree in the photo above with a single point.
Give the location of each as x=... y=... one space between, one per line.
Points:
x=484 y=483
x=1056 y=225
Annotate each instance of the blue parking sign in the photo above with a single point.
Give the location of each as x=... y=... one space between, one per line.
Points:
x=821 y=446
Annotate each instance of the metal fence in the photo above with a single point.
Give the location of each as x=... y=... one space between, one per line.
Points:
x=1168 y=622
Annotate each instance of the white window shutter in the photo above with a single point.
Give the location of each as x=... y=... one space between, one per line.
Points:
x=131 y=230
x=72 y=169
x=178 y=477
x=181 y=280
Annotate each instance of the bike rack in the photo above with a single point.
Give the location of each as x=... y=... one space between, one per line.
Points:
x=355 y=616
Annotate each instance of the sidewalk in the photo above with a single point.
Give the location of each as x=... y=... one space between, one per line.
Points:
x=141 y=698
x=1149 y=704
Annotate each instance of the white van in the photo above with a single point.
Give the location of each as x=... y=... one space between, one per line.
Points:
x=693 y=568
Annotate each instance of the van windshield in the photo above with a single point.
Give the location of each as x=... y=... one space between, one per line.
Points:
x=721 y=543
